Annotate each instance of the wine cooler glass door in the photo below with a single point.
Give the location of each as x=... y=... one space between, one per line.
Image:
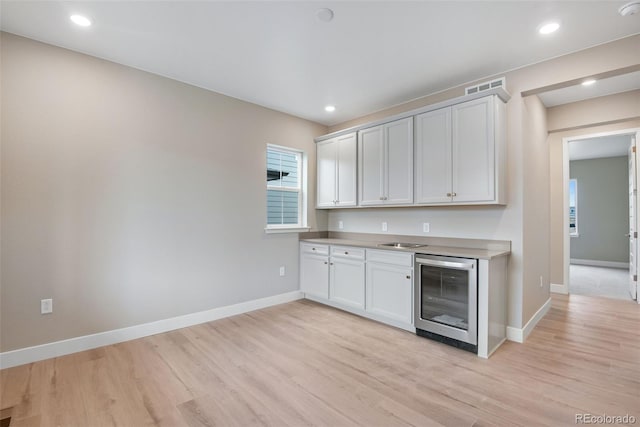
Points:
x=446 y=297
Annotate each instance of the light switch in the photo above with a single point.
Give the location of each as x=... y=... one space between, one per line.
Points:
x=384 y=226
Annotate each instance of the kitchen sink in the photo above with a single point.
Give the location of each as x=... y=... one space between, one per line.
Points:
x=401 y=245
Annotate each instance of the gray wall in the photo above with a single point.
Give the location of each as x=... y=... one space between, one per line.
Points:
x=603 y=209
x=129 y=198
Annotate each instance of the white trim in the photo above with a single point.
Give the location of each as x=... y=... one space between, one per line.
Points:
x=60 y=348
x=574 y=232
x=597 y=263
x=566 y=248
x=520 y=335
x=493 y=350
x=559 y=289
x=300 y=189
x=566 y=230
x=276 y=230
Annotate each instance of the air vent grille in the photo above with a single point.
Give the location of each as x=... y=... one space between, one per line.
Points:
x=501 y=82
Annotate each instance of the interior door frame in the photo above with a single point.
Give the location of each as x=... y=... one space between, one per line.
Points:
x=566 y=239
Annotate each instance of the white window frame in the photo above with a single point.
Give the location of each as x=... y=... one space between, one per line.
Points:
x=301 y=189
x=574 y=232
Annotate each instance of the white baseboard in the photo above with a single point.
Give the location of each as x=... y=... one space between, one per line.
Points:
x=559 y=289
x=520 y=335
x=73 y=345
x=494 y=349
x=596 y=263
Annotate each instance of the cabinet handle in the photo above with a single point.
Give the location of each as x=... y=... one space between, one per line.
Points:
x=454 y=194
x=408 y=277
x=346 y=253
x=448 y=194
x=325 y=263
x=381 y=198
x=330 y=263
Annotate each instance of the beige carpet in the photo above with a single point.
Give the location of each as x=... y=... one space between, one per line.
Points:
x=599 y=281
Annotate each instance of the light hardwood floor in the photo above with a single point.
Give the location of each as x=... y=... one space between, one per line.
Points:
x=302 y=364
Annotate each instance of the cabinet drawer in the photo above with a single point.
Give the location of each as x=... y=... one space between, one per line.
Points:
x=347 y=252
x=390 y=257
x=310 y=248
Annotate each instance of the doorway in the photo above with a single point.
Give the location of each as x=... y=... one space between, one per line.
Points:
x=599 y=208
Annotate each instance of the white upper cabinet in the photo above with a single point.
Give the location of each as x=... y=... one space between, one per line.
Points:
x=433 y=157
x=399 y=172
x=385 y=164
x=326 y=155
x=371 y=165
x=336 y=172
x=473 y=151
x=347 y=163
x=460 y=154
x=458 y=157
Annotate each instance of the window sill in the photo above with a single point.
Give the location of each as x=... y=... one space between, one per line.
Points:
x=286 y=230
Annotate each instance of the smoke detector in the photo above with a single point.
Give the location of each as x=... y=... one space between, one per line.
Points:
x=324 y=15
x=630 y=8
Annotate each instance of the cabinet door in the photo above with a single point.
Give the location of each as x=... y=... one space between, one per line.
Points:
x=347 y=165
x=433 y=157
x=390 y=291
x=314 y=275
x=326 y=155
x=346 y=283
x=371 y=166
x=399 y=162
x=473 y=151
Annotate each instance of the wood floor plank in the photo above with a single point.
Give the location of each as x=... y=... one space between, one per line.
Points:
x=304 y=364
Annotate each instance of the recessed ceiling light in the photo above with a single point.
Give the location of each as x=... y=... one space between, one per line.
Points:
x=588 y=82
x=330 y=108
x=548 y=28
x=80 y=20
x=324 y=15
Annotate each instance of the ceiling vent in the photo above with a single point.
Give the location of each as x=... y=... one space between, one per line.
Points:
x=501 y=82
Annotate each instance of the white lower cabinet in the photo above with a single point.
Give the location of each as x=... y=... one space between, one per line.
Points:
x=390 y=286
x=346 y=276
x=314 y=270
x=374 y=283
x=389 y=291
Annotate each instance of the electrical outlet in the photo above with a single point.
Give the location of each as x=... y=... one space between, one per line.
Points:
x=282 y=270
x=340 y=225
x=46 y=306
x=425 y=227
x=384 y=226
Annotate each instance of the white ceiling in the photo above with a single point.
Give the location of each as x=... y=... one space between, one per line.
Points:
x=605 y=146
x=618 y=84
x=278 y=54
